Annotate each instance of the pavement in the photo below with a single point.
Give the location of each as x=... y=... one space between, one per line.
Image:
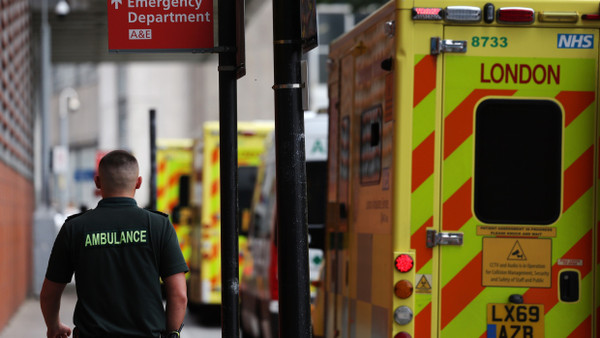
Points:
x=28 y=322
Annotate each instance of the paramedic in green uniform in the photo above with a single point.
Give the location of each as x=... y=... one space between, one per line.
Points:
x=118 y=253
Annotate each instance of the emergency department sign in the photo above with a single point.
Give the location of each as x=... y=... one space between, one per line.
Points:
x=160 y=25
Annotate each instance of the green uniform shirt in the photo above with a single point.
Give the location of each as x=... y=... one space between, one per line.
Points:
x=117 y=251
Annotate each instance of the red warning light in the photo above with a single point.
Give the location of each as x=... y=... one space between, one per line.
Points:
x=516 y=15
x=421 y=13
x=404 y=263
x=590 y=17
x=403 y=335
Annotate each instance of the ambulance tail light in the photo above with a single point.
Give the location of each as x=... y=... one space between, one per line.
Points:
x=463 y=14
x=403 y=335
x=403 y=289
x=316 y=283
x=428 y=14
x=273 y=271
x=595 y=17
x=516 y=15
x=404 y=300
x=404 y=263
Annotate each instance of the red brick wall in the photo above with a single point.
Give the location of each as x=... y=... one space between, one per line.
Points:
x=16 y=157
x=16 y=219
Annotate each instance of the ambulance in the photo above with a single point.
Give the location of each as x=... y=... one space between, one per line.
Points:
x=205 y=263
x=174 y=162
x=463 y=175
x=259 y=288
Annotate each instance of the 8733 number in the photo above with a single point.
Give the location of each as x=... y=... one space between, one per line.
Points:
x=489 y=41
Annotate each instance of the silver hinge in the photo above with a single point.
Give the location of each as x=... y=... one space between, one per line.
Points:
x=443 y=238
x=447 y=46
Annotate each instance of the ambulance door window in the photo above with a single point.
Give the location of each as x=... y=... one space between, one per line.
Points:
x=518 y=148
x=370 y=146
x=316 y=190
x=246 y=182
x=344 y=165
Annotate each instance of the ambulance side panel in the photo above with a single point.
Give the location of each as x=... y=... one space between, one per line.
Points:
x=359 y=217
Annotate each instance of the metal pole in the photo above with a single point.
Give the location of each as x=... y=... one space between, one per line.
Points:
x=230 y=316
x=153 y=169
x=63 y=183
x=45 y=103
x=294 y=292
x=44 y=229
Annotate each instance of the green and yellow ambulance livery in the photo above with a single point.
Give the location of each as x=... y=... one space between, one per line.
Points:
x=464 y=172
x=174 y=160
x=205 y=268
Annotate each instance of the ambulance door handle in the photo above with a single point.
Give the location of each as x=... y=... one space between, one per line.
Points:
x=443 y=238
x=447 y=46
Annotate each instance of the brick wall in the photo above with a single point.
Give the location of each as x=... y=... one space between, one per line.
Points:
x=16 y=217
x=16 y=156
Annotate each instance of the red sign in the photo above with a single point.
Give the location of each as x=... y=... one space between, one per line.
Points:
x=160 y=25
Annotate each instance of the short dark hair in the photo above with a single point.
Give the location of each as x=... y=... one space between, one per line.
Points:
x=118 y=170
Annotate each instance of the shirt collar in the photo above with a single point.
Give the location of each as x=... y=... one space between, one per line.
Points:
x=117 y=201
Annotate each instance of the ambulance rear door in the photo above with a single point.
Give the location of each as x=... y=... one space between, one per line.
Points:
x=515 y=241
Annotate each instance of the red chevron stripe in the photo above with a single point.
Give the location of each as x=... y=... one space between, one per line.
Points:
x=583 y=330
x=548 y=296
x=419 y=242
x=458 y=126
x=173 y=180
x=461 y=290
x=423 y=322
x=579 y=178
x=575 y=103
x=161 y=166
x=424 y=82
x=215 y=155
x=457 y=209
x=214 y=189
x=422 y=161
x=160 y=191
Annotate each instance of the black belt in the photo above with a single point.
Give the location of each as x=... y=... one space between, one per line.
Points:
x=78 y=334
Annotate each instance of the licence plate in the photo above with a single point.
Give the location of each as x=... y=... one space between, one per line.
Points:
x=515 y=320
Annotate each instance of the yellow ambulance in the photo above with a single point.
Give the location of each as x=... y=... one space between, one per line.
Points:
x=174 y=167
x=463 y=175
x=205 y=262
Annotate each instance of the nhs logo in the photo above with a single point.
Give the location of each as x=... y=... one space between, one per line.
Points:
x=579 y=41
